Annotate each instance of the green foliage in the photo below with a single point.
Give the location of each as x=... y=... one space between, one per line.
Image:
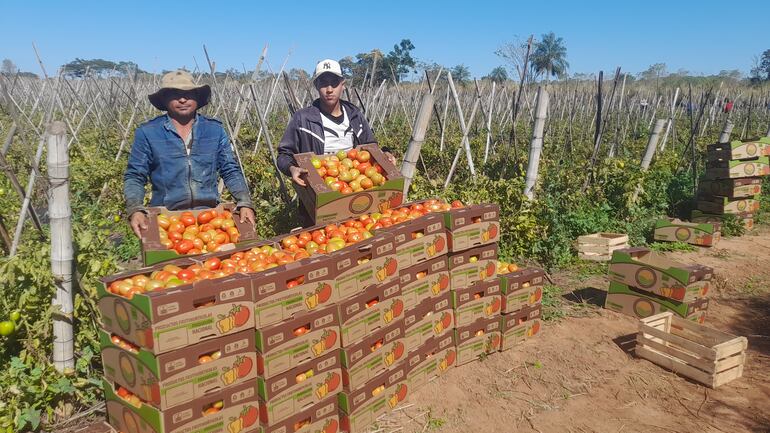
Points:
x=672 y=246
x=550 y=56
x=552 y=303
x=731 y=226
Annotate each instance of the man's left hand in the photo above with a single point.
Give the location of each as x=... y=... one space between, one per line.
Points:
x=391 y=158
x=247 y=214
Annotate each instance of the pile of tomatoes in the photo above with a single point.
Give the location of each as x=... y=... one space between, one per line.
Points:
x=349 y=172
x=187 y=234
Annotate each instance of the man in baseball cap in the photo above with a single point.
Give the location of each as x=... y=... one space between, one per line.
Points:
x=182 y=154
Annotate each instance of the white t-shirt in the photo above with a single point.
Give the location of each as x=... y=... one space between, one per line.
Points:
x=337 y=136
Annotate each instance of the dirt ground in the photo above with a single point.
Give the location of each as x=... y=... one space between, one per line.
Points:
x=579 y=375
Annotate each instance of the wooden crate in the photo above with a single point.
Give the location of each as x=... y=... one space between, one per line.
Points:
x=700 y=353
x=599 y=246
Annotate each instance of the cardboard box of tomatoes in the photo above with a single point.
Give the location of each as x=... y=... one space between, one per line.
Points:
x=382 y=350
x=432 y=318
x=287 y=394
x=419 y=239
x=480 y=337
x=521 y=288
x=385 y=392
x=732 y=188
x=374 y=308
x=233 y=409
x=722 y=169
x=475 y=264
x=480 y=300
x=738 y=149
x=672 y=229
x=174 y=234
x=180 y=376
x=519 y=326
x=350 y=184
x=322 y=417
x=423 y=281
x=472 y=226
x=430 y=360
x=640 y=304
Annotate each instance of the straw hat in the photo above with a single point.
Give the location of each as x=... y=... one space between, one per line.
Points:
x=179 y=80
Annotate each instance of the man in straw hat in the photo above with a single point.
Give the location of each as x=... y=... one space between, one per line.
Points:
x=182 y=153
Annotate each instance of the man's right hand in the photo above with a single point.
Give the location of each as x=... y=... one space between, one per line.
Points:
x=138 y=221
x=296 y=175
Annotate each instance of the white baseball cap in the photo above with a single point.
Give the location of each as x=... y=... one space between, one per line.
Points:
x=328 y=65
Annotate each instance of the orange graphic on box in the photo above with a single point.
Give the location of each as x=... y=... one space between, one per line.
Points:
x=236 y=317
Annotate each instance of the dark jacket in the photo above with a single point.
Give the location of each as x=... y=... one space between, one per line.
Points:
x=305 y=133
x=181 y=181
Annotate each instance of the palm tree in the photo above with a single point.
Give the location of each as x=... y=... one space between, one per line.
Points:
x=550 y=56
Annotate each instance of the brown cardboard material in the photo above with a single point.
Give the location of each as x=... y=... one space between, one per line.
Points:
x=424 y=281
x=154 y=252
x=475 y=264
x=299 y=389
x=733 y=169
x=180 y=376
x=639 y=267
x=380 y=351
x=430 y=360
x=472 y=226
x=640 y=304
x=170 y=319
x=322 y=417
x=239 y=413
x=521 y=289
x=480 y=337
x=285 y=345
x=360 y=409
x=374 y=308
x=432 y=318
x=731 y=188
x=723 y=205
x=481 y=300
x=672 y=230
x=698 y=216
x=520 y=326
x=327 y=206
x=366 y=263
x=419 y=239
x=737 y=149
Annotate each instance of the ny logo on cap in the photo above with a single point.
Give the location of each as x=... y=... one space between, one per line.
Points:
x=327 y=65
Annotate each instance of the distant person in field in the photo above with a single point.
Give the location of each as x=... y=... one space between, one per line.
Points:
x=182 y=154
x=327 y=126
x=728 y=105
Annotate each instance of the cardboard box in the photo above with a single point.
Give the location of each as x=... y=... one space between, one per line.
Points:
x=283 y=346
x=637 y=303
x=479 y=338
x=722 y=205
x=274 y=302
x=370 y=310
x=154 y=252
x=476 y=264
x=419 y=239
x=424 y=281
x=299 y=389
x=738 y=149
x=322 y=417
x=520 y=326
x=430 y=360
x=177 y=377
x=653 y=272
x=366 y=263
x=170 y=319
x=472 y=226
x=384 y=393
x=672 y=230
x=380 y=351
x=327 y=206
x=734 y=169
x=698 y=216
x=480 y=300
x=239 y=413
x=520 y=289
x=432 y=318
x=731 y=188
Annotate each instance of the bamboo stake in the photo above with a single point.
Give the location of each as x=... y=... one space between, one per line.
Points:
x=536 y=145
x=724 y=136
x=489 y=123
x=670 y=120
x=412 y=154
x=61 y=247
x=649 y=152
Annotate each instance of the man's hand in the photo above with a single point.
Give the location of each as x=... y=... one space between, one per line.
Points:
x=247 y=214
x=138 y=221
x=296 y=175
x=391 y=158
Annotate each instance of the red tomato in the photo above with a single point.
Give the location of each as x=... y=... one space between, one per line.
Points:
x=187 y=219
x=184 y=246
x=205 y=216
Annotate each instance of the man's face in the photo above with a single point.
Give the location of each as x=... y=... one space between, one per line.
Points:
x=329 y=88
x=181 y=102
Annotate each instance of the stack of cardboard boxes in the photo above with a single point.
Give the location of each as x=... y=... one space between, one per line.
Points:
x=325 y=343
x=644 y=283
x=733 y=180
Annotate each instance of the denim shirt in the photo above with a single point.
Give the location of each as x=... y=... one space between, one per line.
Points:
x=179 y=180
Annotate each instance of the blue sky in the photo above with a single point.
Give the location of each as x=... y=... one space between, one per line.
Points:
x=701 y=37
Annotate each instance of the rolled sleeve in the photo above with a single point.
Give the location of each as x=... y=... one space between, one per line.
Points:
x=137 y=173
x=231 y=174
